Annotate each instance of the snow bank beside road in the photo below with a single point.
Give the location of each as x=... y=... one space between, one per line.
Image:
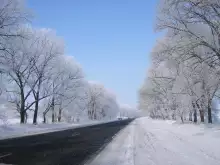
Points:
x=155 y=142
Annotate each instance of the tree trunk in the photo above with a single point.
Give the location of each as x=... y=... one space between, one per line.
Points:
x=22 y=117
x=173 y=117
x=202 y=116
x=36 y=109
x=190 y=116
x=95 y=116
x=89 y=116
x=93 y=111
x=52 y=106
x=201 y=112
x=22 y=113
x=53 y=116
x=44 y=116
x=209 y=113
x=59 y=115
x=46 y=111
x=194 y=113
x=22 y=108
x=195 y=117
x=182 y=118
x=26 y=117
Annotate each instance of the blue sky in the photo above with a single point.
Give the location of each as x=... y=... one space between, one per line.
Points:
x=112 y=39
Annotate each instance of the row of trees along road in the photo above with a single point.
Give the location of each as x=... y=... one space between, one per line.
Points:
x=38 y=78
x=184 y=78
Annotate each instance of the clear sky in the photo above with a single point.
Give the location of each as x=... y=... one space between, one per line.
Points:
x=111 y=39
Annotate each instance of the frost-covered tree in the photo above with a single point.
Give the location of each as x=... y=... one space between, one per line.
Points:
x=36 y=77
x=178 y=86
x=101 y=103
x=17 y=68
x=128 y=111
x=13 y=13
x=195 y=26
x=185 y=62
x=47 y=49
x=65 y=85
x=26 y=66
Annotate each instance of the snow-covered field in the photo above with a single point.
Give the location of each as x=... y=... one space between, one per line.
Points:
x=155 y=142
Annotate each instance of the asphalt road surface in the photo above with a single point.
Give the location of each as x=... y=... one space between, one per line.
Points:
x=67 y=147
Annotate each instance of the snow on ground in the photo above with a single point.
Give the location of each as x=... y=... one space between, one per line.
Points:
x=155 y=142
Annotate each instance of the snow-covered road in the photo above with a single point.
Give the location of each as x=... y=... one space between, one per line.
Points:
x=149 y=142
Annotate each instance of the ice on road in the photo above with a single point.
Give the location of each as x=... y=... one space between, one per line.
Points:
x=151 y=142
